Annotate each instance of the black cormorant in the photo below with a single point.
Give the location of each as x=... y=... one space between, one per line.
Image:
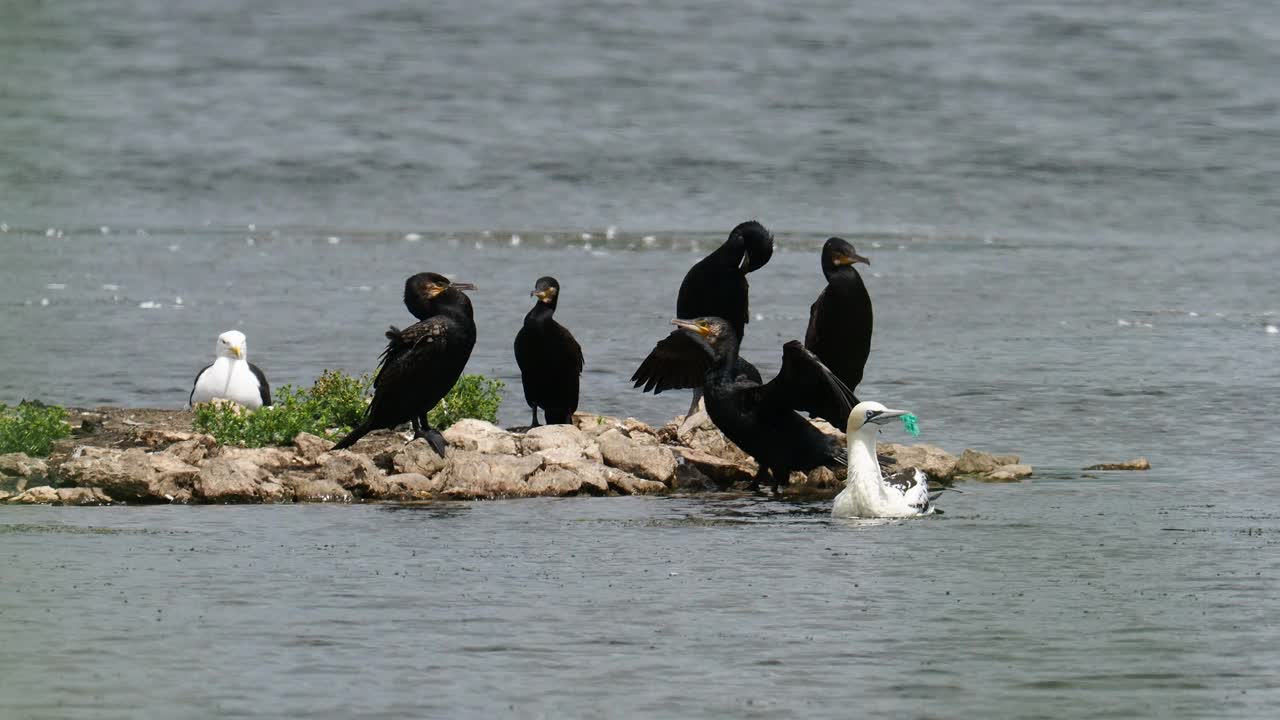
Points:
x=762 y=419
x=716 y=286
x=423 y=361
x=550 y=359
x=840 y=319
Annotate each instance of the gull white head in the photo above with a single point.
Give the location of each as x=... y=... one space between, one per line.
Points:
x=232 y=344
x=868 y=416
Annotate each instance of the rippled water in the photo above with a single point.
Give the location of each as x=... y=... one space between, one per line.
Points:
x=1071 y=213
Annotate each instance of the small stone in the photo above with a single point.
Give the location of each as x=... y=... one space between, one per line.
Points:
x=131 y=475
x=934 y=461
x=307 y=489
x=413 y=486
x=275 y=458
x=976 y=462
x=1135 y=464
x=472 y=474
x=1007 y=473
x=354 y=472
x=17 y=470
x=40 y=495
x=161 y=437
x=82 y=496
x=418 y=457
x=561 y=444
x=723 y=473
x=232 y=480
x=193 y=449
x=627 y=484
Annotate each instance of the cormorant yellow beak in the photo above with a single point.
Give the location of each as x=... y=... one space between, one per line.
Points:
x=544 y=295
x=840 y=259
x=703 y=330
x=461 y=286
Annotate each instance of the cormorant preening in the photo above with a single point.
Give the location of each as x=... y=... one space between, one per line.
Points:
x=759 y=418
x=840 y=319
x=231 y=376
x=550 y=359
x=423 y=361
x=716 y=286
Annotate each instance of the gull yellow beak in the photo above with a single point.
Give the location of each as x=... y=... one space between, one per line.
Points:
x=237 y=351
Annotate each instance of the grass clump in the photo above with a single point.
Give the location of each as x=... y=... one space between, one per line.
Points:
x=473 y=396
x=334 y=404
x=330 y=408
x=31 y=428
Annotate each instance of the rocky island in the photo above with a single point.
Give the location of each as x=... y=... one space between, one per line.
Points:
x=132 y=456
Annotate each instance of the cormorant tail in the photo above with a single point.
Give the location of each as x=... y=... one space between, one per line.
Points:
x=352 y=437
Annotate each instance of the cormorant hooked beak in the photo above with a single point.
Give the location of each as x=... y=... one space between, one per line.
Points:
x=880 y=417
x=462 y=285
x=745 y=266
x=840 y=259
x=545 y=295
x=703 y=330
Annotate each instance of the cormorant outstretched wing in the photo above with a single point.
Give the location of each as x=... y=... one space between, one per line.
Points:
x=804 y=383
x=679 y=361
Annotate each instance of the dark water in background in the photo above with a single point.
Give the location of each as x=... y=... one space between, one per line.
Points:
x=1071 y=212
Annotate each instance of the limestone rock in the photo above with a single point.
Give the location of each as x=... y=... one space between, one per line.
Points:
x=705 y=436
x=651 y=462
x=482 y=437
x=472 y=474
x=588 y=477
x=555 y=481
x=561 y=444
x=274 y=458
x=1007 y=473
x=934 y=461
x=131 y=475
x=193 y=449
x=1135 y=464
x=17 y=470
x=412 y=486
x=39 y=495
x=235 y=480
x=310 y=447
x=82 y=496
x=418 y=457
x=593 y=424
x=690 y=479
x=627 y=484
x=159 y=437
x=825 y=478
x=634 y=427
x=304 y=488
x=722 y=472
x=382 y=446
x=976 y=462
x=353 y=471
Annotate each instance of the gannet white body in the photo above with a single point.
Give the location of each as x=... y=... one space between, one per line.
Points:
x=231 y=376
x=867 y=492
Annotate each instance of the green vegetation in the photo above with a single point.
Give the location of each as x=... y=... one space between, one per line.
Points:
x=31 y=428
x=333 y=405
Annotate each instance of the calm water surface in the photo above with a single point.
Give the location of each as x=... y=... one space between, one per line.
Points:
x=1071 y=212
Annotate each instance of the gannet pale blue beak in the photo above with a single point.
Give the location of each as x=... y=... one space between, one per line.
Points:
x=883 y=416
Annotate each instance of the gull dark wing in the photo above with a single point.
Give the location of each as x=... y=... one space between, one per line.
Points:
x=677 y=361
x=196 y=382
x=263 y=388
x=804 y=383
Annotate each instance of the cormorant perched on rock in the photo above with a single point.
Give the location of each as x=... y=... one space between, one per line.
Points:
x=840 y=319
x=759 y=418
x=231 y=376
x=716 y=286
x=550 y=359
x=423 y=361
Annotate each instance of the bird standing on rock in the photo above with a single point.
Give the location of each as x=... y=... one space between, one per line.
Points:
x=549 y=357
x=716 y=286
x=760 y=418
x=231 y=376
x=423 y=361
x=840 y=319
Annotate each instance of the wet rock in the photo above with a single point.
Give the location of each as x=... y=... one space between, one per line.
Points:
x=723 y=473
x=976 y=462
x=1135 y=464
x=304 y=488
x=353 y=471
x=417 y=457
x=627 y=484
x=651 y=462
x=561 y=444
x=707 y=437
x=482 y=475
x=132 y=475
x=592 y=477
x=412 y=486
x=310 y=447
x=556 y=481
x=17 y=470
x=825 y=478
x=193 y=449
x=934 y=461
x=690 y=479
x=235 y=480
x=39 y=495
x=1007 y=473
x=482 y=437
x=382 y=446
